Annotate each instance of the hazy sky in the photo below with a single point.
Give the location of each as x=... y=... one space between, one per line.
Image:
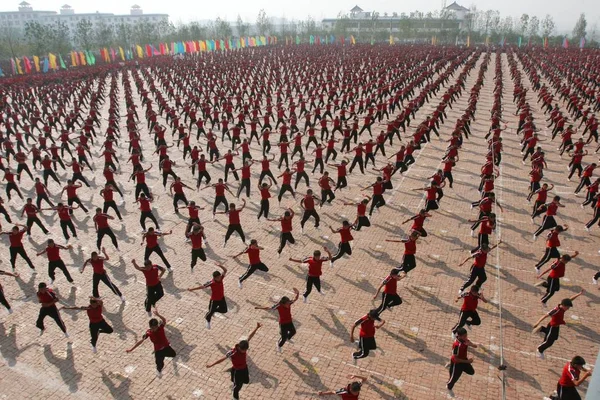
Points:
x=565 y=12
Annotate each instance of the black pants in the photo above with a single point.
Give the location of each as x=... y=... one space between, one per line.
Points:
x=357 y=160
x=165 y=174
x=365 y=345
x=14 y=251
x=252 y=269
x=96 y=278
x=197 y=254
x=176 y=199
x=376 y=202
x=3 y=300
x=220 y=200
x=145 y=215
x=284 y=238
x=585 y=182
x=153 y=295
x=478 y=274
x=285 y=188
x=110 y=233
x=160 y=355
x=264 y=208
x=327 y=196
x=342 y=182
x=388 y=301
x=551 y=252
x=214 y=306
x=456 y=370
x=51 y=312
x=362 y=221
x=97 y=328
x=263 y=174
x=202 y=174
x=552 y=286
x=319 y=163
x=5 y=213
x=159 y=252
x=567 y=393
x=78 y=201
x=343 y=248
x=310 y=213
x=231 y=167
x=547 y=223
x=78 y=176
x=408 y=263
x=60 y=264
x=235 y=228
x=141 y=188
x=594 y=218
x=239 y=377
x=286 y=331
x=244 y=185
x=467 y=318
x=301 y=175
x=112 y=204
x=551 y=333
x=310 y=282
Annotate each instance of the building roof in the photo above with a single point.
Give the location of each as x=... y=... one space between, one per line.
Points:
x=456 y=7
x=135 y=6
x=356 y=9
x=66 y=6
x=24 y=3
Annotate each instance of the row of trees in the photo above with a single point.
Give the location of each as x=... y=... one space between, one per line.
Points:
x=479 y=24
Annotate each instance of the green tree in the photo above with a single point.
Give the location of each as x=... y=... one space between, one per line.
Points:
x=534 y=27
x=547 y=26
x=12 y=42
x=341 y=25
x=263 y=23
x=61 y=37
x=223 y=29
x=523 y=24
x=84 y=34
x=579 y=29
x=104 y=35
x=39 y=37
x=243 y=28
x=124 y=35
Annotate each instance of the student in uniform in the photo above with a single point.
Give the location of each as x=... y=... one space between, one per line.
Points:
x=286 y=229
x=239 y=366
x=389 y=297
x=468 y=311
x=98 y=324
x=217 y=294
x=478 y=267
x=154 y=290
x=253 y=251
x=410 y=249
x=287 y=330
x=345 y=239
x=552 y=329
x=571 y=377
x=100 y=274
x=3 y=300
x=556 y=271
x=48 y=299
x=313 y=277
x=162 y=347
x=366 y=341
x=350 y=392
x=460 y=362
x=52 y=251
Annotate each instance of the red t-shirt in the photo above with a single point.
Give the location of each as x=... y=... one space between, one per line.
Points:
x=234 y=217
x=459 y=350
x=53 y=253
x=16 y=239
x=151 y=276
x=101 y=220
x=470 y=302
x=158 y=338
x=557 y=316
x=569 y=374
x=98 y=266
x=253 y=255
x=238 y=359
x=367 y=327
x=217 y=290
x=285 y=313
x=95 y=314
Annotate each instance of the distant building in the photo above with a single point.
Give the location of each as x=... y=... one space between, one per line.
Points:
x=359 y=20
x=18 y=19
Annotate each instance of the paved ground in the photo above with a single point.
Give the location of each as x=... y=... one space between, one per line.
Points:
x=415 y=343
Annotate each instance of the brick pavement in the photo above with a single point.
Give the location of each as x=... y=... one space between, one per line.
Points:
x=414 y=344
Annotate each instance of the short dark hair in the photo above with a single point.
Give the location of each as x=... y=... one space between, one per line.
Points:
x=243 y=345
x=153 y=322
x=577 y=360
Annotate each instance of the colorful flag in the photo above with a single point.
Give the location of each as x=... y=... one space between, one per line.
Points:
x=113 y=54
x=469 y=41
x=352 y=40
x=582 y=43
x=27 y=65
x=46 y=66
x=19 y=69
x=565 y=43
x=36 y=63
x=391 y=39
x=519 y=41
x=122 y=53
x=61 y=61
x=74 y=60
x=311 y=40
x=1 y=72
x=82 y=60
x=13 y=66
x=140 y=51
x=52 y=60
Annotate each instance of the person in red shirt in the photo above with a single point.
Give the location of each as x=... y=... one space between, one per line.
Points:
x=154 y=290
x=585 y=177
x=366 y=341
x=167 y=169
x=254 y=263
x=548 y=222
x=48 y=299
x=109 y=202
x=239 y=367
x=327 y=195
x=52 y=251
x=460 y=362
x=361 y=214
x=418 y=221
x=308 y=205
x=16 y=248
x=98 y=324
x=377 y=200
x=162 y=347
x=97 y=263
x=556 y=271
x=552 y=245
x=344 y=244
x=217 y=295
x=468 y=311
x=140 y=181
x=245 y=183
x=487 y=225
x=235 y=224
x=220 y=188
x=152 y=245
x=313 y=278
x=102 y=228
x=542 y=196
x=596 y=216
x=350 y=392
x=265 y=195
x=287 y=330
x=431 y=193
x=179 y=193
x=286 y=229
x=478 y=267
x=3 y=300
x=410 y=249
x=389 y=297
x=552 y=329
x=9 y=177
x=571 y=377
x=286 y=184
x=146 y=211
x=72 y=197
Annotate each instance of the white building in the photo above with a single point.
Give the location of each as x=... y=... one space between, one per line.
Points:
x=18 y=19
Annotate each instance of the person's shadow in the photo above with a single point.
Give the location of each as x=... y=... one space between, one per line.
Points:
x=66 y=367
x=338 y=329
x=116 y=320
x=182 y=348
x=308 y=374
x=169 y=285
x=8 y=345
x=117 y=392
x=258 y=375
